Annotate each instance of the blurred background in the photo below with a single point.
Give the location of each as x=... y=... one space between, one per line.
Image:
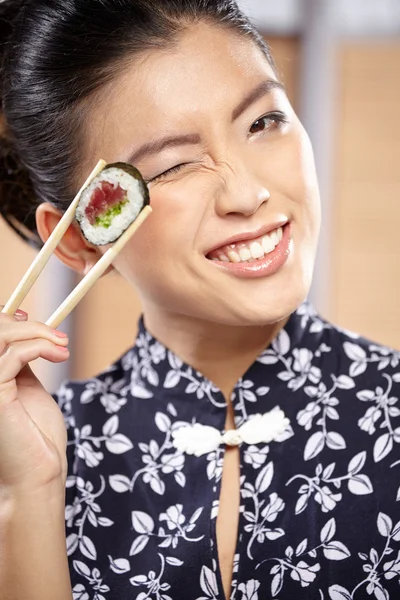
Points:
x=340 y=61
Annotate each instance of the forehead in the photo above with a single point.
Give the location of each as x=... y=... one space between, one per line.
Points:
x=209 y=68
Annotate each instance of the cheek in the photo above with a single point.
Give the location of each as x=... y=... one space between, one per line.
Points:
x=307 y=194
x=287 y=169
x=163 y=239
x=299 y=175
x=305 y=164
x=173 y=222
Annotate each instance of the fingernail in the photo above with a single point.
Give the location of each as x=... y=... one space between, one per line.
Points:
x=63 y=349
x=21 y=313
x=59 y=334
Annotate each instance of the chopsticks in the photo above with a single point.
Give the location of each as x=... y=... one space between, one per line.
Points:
x=37 y=266
x=96 y=272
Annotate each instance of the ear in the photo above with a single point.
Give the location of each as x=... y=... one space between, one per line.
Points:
x=73 y=250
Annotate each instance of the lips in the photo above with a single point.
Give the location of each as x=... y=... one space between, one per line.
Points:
x=249 y=236
x=248 y=246
x=250 y=268
x=248 y=250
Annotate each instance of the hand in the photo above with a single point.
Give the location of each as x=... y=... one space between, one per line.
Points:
x=32 y=431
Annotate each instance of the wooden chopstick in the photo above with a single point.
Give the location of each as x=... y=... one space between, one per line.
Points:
x=96 y=272
x=37 y=266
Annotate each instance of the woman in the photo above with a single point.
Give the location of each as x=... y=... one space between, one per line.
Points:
x=175 y=488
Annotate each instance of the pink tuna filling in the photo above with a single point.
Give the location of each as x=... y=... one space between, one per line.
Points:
x=103 y=198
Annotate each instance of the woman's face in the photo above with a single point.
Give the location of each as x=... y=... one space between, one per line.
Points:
x=231 y=177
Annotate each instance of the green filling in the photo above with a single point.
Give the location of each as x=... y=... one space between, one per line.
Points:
x=105 y=220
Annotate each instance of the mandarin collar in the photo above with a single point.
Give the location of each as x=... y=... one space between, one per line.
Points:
x=162 y=366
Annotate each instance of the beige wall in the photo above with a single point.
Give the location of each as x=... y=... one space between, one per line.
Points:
x=365 y=282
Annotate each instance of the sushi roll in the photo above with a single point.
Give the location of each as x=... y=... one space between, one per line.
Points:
x=111 y=202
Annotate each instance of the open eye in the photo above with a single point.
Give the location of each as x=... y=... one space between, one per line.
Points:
x=268 y=122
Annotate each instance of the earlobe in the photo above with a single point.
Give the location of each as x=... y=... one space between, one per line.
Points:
x=73 y=250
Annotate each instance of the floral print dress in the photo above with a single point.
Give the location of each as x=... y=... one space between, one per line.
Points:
x=320 y=503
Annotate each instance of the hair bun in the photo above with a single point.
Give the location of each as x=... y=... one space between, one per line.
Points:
x=16 y=193
x=16 y=188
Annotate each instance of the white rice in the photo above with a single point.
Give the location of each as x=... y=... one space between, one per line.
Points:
x=98 y=235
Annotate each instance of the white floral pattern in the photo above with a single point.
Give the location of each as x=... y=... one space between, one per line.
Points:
x=320 y=503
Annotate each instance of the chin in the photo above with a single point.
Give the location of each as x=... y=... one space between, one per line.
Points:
x=275 y=303
x=253 y=313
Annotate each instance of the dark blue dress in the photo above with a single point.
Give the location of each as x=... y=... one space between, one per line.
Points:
x=320 y=503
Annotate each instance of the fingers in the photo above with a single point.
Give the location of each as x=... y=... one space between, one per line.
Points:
x=22 y=341
x=20 y=353
x=31 y=436
x=19 y=315
x=12 y=331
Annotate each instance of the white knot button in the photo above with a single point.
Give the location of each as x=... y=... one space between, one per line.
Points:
x=232 y=437
x=200 y=439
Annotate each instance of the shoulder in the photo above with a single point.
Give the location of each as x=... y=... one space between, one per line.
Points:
x=108 y=387
x=367 y=380
x=310 y=343
x=364 y=360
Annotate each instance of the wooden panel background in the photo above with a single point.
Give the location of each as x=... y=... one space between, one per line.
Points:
x=365 y=283
x=106 y=320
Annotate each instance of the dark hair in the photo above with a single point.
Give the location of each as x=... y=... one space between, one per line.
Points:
x=54 y=55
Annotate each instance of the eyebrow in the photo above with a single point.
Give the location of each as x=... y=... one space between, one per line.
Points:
x=157 y=146
x=264 y=88
x=162 y=144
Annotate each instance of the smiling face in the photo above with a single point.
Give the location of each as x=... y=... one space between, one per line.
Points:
x=231 y=177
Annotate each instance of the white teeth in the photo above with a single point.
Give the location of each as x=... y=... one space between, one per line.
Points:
x=267 y=244
x=234 y=256
x=274 y=237
x=244 y=254
x=248 y=252
x=256 y=250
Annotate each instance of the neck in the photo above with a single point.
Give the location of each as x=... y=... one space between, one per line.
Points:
x=221 y=353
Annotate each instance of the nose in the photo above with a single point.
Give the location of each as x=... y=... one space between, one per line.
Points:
x=240 y=192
